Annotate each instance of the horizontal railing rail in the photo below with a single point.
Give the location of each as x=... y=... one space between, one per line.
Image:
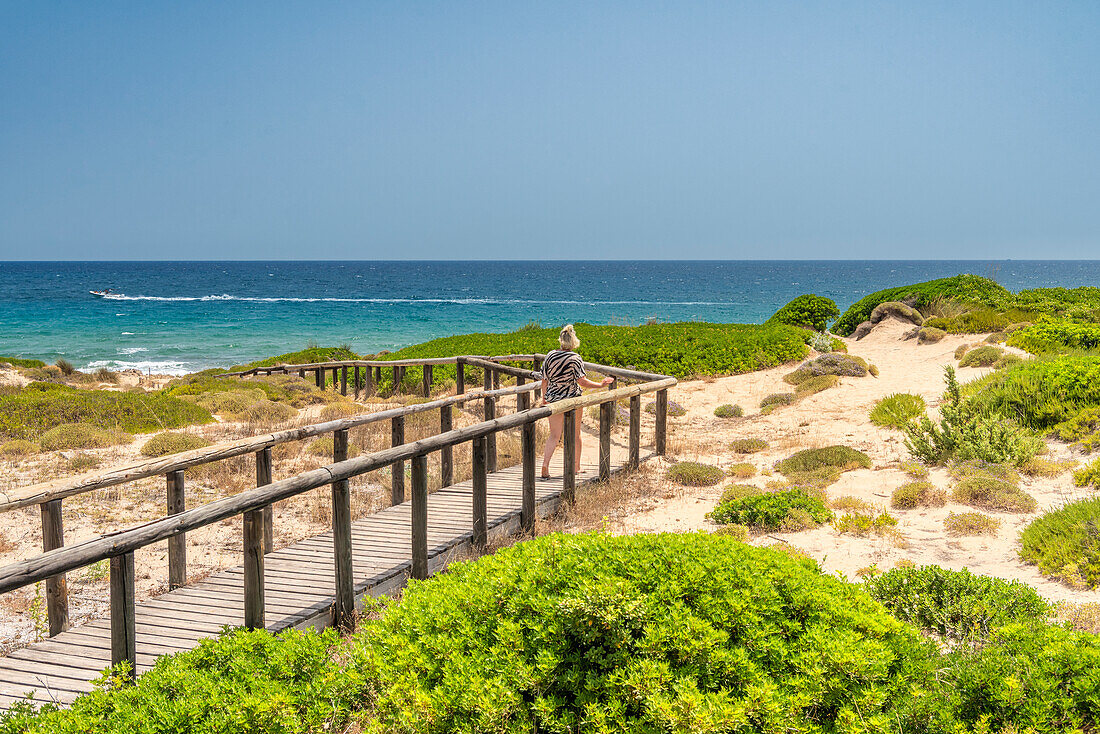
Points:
x=256 y=504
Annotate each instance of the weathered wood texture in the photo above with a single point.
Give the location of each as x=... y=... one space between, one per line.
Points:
x=300 y=585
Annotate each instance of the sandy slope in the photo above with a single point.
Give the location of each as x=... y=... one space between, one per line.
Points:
x=840 y=415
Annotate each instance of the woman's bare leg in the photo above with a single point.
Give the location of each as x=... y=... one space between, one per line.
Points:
x=577 y=451
x=552 y=441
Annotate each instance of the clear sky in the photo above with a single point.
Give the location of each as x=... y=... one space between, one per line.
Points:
x=587 y=130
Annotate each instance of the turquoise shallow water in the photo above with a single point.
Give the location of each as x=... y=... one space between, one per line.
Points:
x=180 y=317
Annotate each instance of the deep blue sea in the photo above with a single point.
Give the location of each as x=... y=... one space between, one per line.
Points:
x=183 y=316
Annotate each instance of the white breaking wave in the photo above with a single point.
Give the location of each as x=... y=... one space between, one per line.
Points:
x=454 y=301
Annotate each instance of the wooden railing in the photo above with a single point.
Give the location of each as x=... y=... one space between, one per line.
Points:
x=255 y=504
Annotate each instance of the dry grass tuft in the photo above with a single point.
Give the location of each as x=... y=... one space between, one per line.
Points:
x=970 y=523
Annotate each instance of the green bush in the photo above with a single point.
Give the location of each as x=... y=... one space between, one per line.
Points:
x=742 y=471
x=643 y=633
x=1056 y=336
x=897 y=410
x=914 y=470
x=897 y=310
x=984 y=356
x=693 y=474
x=740 y=533
x=265 y=411
x=81 y=436
x=729 y=411
x=672 y=409
x=807 y=310
x=1088 y=475
x=839 y=457
x=960 y=288
x=956 y=605
x=918 y=494
x=770 y=510
x=815 y=385
x=1065 y=543
x=828 y=364
x=170 y=442
x=1039 y=393
x=862 y=523
x=28 y=413
x=1007 y=360
x=748 y=445
x=776 y=399
x=309 y=355
x=736 y=492
x=930 y=335
x=241 y=682
x=990 y=491
x=25 y=363
x=681 y=350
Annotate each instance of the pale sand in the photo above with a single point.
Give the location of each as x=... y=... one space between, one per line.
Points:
x=840 y=416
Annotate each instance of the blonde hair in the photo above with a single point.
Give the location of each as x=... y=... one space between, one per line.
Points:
x=568 y=338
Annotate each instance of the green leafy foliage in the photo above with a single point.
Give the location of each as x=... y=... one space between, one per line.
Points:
x=991 y=487
x=681 y=349
x=843 y=458
x=1065 y=543
x=1056 y=336
x=863 y=522
x=310 y=355
x=31 y=412
x=171 y=442
x=243 y=682
x=20 y=362
x=983 y=356
x=897 y=410
x=960 y=288
x=694 y=474
x=770 y=510
x=1088 y=475
x=967 y=431
x=956 y=605
x=1039 y=393
x=807 y=310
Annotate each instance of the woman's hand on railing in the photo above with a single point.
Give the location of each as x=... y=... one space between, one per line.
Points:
x=607 y=381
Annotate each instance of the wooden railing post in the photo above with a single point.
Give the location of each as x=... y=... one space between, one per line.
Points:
x=57 y=593
x=302 y=374
x=254 y=569
x=397 y=479
x=661 y=413
x=263 y=478
x=368 y=381
x=480 y=495
x=427 y=380
x=420 y=517
x=634 y=456
x=343 y=379
x=527 y=507
x=344 y=611
x=355 y=381
x=123 y=612
x=523 y=399
x=569 y=436
x=460 y=376
x=377 y=377
x=446 y=454
x=606 y=416
x=335 y=379
x=177 y=544
x=491 y=439
x=319 y=377
x=488 y=381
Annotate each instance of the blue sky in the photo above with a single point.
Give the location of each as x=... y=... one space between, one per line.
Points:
x=588 y=130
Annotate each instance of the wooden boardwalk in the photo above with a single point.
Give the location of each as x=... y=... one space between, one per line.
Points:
x=299 y=584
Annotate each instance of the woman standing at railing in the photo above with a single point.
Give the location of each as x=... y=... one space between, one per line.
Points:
x=563 y=377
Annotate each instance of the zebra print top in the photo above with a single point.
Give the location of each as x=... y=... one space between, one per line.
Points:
x=562 y=369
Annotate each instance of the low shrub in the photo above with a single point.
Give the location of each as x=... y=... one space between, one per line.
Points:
x=29 y=412
x=1056 y=336
x=83 y=462
x=918 y=494
x=25 y=363
x=961 y=524
x=914 y=470
x=18 y=448
x=769 y=511
x=813 y=481
x=1039 y=467
x=843 y=365
x=169 y=442
x=65 y=366
x=956 y=605
x=1006 y=360
x=961 y=350
x=865 y=523
x=742 y=471
x=1088 y=475
x=105 y=375
x=81 y=436
x=324 y=446
x=848 y=503
x=897 y=410
x=740 y=533
x=897 y=310
x=748 y=445
x=729 y=411
x=1039 y=393
x=336 y=411
x=990 y=492
x=739 y=491
x=777 y=399
x=672 y=410
x=1065 y=543
x=693 y=474
x=808 y=311
x=815 y=385
x=966 y=289
x=265 y=411
x=930 y=335
x=984 y=356
x=843 y=458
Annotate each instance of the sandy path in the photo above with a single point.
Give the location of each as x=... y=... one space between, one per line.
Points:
x=840 y=415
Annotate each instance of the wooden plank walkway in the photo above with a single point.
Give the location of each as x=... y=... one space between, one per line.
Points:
x=299 y=583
